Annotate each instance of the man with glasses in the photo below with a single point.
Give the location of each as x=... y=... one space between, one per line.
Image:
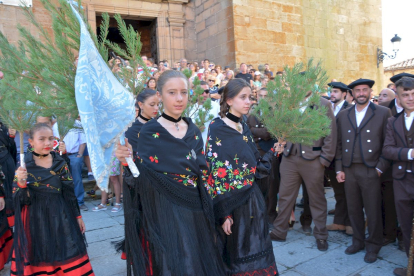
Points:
x=183 y=64
x=215 y=109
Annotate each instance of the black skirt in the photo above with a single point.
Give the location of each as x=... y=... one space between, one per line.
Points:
x=248 y=250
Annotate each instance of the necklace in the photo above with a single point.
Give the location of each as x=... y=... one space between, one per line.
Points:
x=40 y=155
x=143 y=118
x=235 y=119
x=171 y=119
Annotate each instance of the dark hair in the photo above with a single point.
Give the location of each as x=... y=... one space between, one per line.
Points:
x=390 y=84
x=38 y=127
x=206 y=60
x=263 y=88
x=203 y=83
x=143 y=96
x=153 y=80
x=231 y=90
x=279 y=73
x=151 y=60
x=166 y=76
x=406 y=83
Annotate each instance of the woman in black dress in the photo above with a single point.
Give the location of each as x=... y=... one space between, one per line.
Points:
x=169 y=223
x=239 y=206
x=148 y=105
x=6 y=236
x=48 y=226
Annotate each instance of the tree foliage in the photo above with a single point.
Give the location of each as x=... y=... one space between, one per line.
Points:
x=200 y=113
x=292 y=111
x=41 y=69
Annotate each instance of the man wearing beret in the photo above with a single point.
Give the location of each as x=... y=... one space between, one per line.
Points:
x=306 y=164
x=398 y=147
x=341 y=219
x=389 y=214
x=359 y=163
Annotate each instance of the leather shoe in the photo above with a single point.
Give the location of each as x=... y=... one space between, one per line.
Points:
x=322 y=245
x=370 y=257
x=387 y=241
x=273 y=237
x=353 y=249
x=401 y=271
x=335 y=227
x=307 y=229
x=331 y=212
x=349 y=231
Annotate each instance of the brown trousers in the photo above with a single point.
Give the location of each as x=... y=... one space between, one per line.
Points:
x=270 y=189
x=389 y=214
x=404 y=202
x=294 y=170
x=341 y=209
x=363 y=191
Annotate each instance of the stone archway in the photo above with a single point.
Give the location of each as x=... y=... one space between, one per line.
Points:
x=168 y=15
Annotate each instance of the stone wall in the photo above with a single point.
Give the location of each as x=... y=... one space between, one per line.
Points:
x=344 y=34
x=12 y=16
x=214 y=28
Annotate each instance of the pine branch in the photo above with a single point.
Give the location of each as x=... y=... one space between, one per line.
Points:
x=281 y=111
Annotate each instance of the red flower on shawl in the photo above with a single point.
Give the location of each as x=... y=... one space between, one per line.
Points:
x=221 y=172
x=253 y=170
x=227 y=185
x=236 y=172
x=210 y=180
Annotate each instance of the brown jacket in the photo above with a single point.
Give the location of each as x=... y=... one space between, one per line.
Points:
x=370 y=139
x=396 y=148
x=391 y=106
x=324 y=148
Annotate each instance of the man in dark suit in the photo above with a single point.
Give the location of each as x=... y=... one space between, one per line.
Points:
x=264 y=142
x=398 y=147
x=359 y=163
x=389 y=214
x=306 y=164
x=341 y=219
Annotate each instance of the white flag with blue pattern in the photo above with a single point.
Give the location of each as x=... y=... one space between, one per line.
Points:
x=106 y=107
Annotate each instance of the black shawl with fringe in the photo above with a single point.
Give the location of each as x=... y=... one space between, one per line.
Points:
x=46 y=227
x=235 y=164
x=169 y=223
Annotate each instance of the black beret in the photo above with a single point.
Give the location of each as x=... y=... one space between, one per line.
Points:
x=339 y=85
x=368 y=82
x=395 y=78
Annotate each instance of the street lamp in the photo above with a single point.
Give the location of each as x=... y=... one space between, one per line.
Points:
x=395 y=47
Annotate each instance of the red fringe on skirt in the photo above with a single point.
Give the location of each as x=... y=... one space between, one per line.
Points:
x=6 y=243
x=79 y=267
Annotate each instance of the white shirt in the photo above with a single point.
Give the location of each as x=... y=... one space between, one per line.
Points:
x=55 y=130
x=338 y=107
x=361 y=114
x=215 y=110
x=202 y=70
x=74 y=138
x=398 y=108
x=408 y=123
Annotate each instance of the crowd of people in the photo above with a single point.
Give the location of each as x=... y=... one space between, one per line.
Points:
x=216 y=194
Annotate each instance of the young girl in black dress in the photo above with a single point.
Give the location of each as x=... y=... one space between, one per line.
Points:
x=48 y=226
x=169 y=223
x=239 y=206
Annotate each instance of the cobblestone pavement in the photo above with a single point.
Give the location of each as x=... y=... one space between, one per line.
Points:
x=297 y=256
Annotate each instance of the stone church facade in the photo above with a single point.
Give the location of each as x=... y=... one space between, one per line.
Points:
x=344 y=34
